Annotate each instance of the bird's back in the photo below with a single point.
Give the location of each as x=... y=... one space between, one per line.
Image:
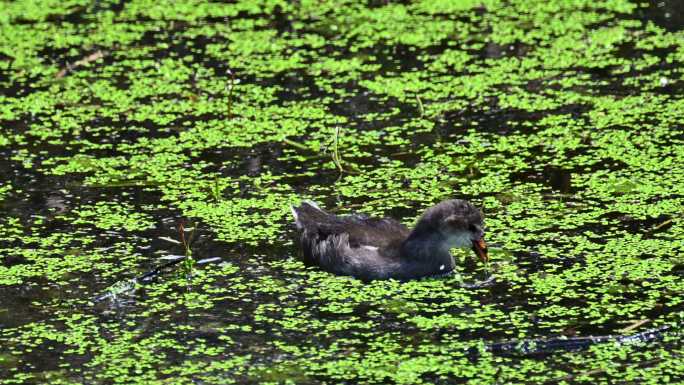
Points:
x=357 y=245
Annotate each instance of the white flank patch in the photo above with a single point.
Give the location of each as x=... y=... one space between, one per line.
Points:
x=296 y=217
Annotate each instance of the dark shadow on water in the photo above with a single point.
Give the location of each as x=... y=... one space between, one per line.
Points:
x=35 y=194
x=668 y=14
x=556 y=178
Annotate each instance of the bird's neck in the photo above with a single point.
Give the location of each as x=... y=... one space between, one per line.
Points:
x=426 y=246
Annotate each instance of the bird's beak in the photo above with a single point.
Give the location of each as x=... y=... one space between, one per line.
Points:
x=480 y=248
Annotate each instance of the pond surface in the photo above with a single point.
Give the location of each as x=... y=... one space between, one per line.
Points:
x=122 y=120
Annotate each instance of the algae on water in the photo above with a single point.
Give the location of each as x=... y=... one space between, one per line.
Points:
x=120 y=120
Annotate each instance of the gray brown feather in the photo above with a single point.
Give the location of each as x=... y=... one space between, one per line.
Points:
x=380 y=248
x=351 y=244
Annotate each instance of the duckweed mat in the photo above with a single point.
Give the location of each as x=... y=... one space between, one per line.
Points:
x=122 y=120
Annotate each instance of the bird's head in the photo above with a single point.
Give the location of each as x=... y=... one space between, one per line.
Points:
x=461 y=224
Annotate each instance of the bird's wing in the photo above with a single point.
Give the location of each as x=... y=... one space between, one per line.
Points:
x=360 y=229
x=373 y=232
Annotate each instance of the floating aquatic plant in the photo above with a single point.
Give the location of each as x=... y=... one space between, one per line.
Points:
x=561 y=119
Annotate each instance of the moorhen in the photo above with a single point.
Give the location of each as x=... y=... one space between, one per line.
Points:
x=374 y=248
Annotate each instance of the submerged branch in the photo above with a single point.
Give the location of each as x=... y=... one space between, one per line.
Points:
x=549 y=345
x=88 y=59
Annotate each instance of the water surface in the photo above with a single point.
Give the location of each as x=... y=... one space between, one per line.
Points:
x=120 y=120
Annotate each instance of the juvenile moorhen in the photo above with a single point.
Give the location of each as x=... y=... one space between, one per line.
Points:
x=373 y=248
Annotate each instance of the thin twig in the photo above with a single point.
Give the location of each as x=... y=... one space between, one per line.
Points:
x=336 y=157
x=295 y=144
x=90 y=58
x=667 y=222
x=420 y=106
x=634 y=325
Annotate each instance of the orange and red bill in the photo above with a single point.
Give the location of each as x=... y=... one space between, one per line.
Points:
x=480 y=248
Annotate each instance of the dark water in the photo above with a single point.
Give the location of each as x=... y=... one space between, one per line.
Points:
x=576 y=165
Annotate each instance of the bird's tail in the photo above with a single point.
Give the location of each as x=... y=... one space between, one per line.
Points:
x=307 y=214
